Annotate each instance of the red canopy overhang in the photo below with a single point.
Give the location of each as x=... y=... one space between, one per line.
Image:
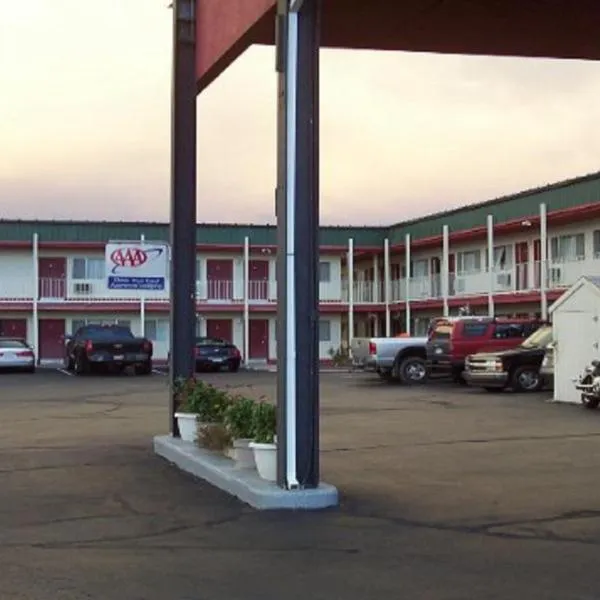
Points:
x=534 y=28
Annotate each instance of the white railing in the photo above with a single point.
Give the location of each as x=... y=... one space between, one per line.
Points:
x=565 y=273
x=514 y=279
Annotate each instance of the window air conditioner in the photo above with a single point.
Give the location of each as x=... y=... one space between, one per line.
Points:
x=503 y=279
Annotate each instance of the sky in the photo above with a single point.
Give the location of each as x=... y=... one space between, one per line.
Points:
x=85 y=123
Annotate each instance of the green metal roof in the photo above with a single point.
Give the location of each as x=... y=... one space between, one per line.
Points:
x=565 y=194
x=223 y=234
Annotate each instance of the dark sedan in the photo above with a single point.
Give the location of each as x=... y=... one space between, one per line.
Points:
x=214 y=354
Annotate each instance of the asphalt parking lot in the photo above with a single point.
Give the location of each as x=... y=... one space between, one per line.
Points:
x=447 y=493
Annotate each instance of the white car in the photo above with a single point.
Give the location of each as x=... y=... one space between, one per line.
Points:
x=15 y=355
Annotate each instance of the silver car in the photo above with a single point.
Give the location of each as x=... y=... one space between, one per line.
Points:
x=15 y=355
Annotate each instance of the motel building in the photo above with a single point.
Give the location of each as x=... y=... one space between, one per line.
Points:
x=510 y=256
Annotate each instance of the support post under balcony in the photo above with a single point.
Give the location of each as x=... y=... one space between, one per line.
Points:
x=297 y=58
x=183 y=198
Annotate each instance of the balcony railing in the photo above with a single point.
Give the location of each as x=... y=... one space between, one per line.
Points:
x=512 y=279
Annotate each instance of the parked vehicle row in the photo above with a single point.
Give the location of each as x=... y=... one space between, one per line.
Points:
x=492 y=353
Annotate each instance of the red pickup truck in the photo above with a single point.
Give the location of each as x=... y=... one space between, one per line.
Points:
x=451 y=340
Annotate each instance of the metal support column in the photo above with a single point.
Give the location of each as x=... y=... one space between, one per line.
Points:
x=388 y=285
x=491 y=266
x=408 y=270
x=298 y=243
x=543 y=261
x=36 y=296
x=246 y=300
x=183 y=197
x=142 y=301
x=445 y=268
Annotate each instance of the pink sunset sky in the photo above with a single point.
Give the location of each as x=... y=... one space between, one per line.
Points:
x=84 y=108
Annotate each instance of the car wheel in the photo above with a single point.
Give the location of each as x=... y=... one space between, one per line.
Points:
x=80 y=366
x=145 y=369
x=234 y=368
x=68 y=363
x=412 y=370
x=526 y=379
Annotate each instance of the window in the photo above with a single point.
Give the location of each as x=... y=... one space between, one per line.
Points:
x=324 y=331
x=76 y=324
x=468 y=262
x=597 y=243
x=88 y=268
x=324 y=272
x=503 y=257
x=474 y=329
x=505 y=331
x=419 y=268
x=198 y=269
x=567 y=248
x=157 y=330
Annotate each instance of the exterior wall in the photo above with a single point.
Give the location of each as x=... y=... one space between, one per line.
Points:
x=89 y=299
x=16 y=275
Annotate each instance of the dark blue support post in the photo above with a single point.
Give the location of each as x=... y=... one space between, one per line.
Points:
x=183 y=198
x=298 y=243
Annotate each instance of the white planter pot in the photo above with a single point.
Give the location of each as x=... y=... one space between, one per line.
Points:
x=243 y=455
x=265 y=456
x=188 y=428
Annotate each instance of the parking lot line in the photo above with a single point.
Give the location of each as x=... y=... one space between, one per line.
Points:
x=65 y=372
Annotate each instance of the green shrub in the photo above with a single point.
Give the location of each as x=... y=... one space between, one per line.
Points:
x=239 y=418
x=264 y=423
x=200 y=398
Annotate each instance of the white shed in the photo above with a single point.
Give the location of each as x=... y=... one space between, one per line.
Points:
x=576 y=328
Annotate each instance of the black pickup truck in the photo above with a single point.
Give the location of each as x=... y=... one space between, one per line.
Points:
x=108 y=347
x=517 y=368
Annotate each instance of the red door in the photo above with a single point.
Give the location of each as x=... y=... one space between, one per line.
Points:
x=259 y=339
x=13 y=328
x=52 y=343
x=258 y=276
x=219 y=278
x=220 y=328
x=52 y=276
x=522 y=264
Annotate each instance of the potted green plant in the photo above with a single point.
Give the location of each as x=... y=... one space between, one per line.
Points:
x=239 y=421
x=187 y=396
x=212 y=405
x=264 y=445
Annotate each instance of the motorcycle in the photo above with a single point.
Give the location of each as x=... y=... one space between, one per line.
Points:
x=588 y=383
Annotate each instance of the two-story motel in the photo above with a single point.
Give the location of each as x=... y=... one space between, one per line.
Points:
x=509 y=256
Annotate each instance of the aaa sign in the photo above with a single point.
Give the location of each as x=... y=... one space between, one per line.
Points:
x=136 y=266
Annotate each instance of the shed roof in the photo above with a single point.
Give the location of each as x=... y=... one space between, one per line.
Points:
x=590 y=281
